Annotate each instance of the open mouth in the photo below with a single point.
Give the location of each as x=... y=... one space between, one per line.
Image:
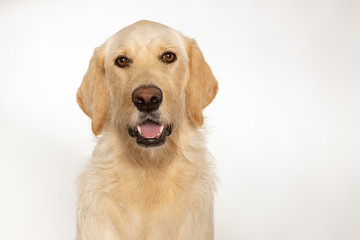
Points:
x=150 y=134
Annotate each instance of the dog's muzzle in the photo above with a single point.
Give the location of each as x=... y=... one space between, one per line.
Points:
x=150 y=133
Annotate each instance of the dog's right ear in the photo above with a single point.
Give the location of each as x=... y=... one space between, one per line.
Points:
x=93 y=93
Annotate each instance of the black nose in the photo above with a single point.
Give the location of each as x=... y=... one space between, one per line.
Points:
x=147 y=98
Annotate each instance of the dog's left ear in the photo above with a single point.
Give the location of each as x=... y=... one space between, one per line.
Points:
x=93 y=93
x=202 y=85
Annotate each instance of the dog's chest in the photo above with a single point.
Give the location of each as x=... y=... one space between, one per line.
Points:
x=153 y=193
x=150 y=204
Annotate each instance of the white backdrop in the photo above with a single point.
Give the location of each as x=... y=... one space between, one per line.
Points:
x=284 y=128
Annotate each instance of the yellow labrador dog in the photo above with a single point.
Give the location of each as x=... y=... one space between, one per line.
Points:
x=150 y=176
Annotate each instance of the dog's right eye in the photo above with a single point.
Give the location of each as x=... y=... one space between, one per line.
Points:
x=122 y=62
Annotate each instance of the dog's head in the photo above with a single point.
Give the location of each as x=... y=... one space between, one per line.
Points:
x=146 y=82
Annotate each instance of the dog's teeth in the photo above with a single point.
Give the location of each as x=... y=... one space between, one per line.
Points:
x=139 y=129
x=161 y=130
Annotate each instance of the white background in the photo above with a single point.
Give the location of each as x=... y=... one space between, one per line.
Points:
x=284 y=128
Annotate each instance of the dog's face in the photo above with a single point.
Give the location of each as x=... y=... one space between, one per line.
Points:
x=146 y=82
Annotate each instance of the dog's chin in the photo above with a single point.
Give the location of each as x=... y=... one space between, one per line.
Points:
x=150 y=134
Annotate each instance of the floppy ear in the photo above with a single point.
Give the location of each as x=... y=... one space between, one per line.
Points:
x=202 y=85
x=93 y=93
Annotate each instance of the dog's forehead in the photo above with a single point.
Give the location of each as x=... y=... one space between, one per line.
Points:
x=146 y=34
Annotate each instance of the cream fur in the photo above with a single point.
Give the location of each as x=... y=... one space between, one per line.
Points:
x=131 y=192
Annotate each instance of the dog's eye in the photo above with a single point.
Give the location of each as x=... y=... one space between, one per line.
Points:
x=122 y=62
x=168 y=57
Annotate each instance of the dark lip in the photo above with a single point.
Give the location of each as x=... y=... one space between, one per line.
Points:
x=150 y=142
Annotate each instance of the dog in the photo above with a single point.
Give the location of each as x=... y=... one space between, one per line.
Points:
x=150 y=176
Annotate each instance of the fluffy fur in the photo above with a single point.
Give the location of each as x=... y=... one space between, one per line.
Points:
x=135 y=192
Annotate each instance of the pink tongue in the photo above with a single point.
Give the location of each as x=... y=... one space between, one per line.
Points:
x=150 y=129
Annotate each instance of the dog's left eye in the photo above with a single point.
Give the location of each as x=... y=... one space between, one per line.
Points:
x=168 y=57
